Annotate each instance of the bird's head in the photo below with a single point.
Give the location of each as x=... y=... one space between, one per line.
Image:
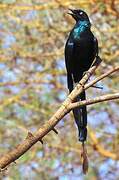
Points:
x=79 y=15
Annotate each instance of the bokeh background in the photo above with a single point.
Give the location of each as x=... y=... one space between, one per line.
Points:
x=33 y=85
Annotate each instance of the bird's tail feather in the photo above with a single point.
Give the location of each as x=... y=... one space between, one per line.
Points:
x=80 y=115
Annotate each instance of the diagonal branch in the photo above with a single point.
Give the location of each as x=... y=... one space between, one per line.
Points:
x=31 y=139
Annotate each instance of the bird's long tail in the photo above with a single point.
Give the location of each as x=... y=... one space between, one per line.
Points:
x=80 y=115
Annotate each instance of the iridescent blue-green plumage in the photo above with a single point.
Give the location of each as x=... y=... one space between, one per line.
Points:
x=80 y=50
x=79 y=28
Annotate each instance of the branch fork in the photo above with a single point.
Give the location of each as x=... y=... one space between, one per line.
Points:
x=66 y=106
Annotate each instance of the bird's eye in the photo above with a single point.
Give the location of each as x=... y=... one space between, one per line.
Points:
x=81 y=13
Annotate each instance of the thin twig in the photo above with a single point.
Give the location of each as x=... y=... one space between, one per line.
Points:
x=94 y=101
x=101 y=77
x=96 y=145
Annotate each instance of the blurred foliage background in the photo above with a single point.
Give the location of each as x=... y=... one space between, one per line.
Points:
x=33 y=85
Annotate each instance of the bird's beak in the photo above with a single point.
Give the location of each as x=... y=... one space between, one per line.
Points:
x=71 y=12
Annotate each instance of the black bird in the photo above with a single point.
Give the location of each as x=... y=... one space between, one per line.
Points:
x=80 y=51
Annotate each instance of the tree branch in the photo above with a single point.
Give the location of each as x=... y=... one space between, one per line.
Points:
x=101 y=77
x=96 y=145
x=94 y=101
x=31 y=139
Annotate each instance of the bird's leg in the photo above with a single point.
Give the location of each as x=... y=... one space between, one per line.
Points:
x=98 y=58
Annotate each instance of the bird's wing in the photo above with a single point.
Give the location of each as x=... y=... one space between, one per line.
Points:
x=69 y=48
x=69 y=54
x=95 y=52
x=95 y=46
